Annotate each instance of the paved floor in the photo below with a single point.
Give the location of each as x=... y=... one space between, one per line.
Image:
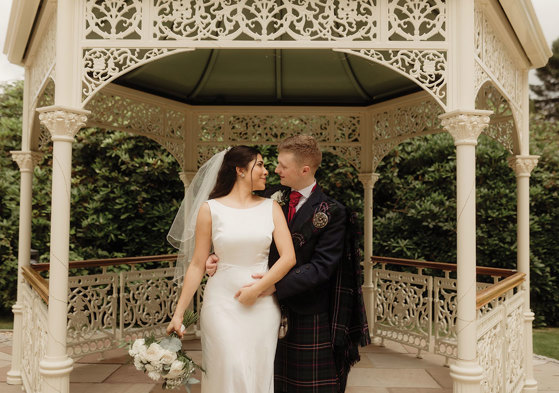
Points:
x=393 y=368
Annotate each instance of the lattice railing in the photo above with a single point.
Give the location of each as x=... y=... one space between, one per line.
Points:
x=34 y=337
x=108 y=309
x=414 y=308
x=500 y=346
x=419 y=309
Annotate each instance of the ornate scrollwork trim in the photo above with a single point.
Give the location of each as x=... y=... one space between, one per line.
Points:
x=427 y=68
x=102 y=65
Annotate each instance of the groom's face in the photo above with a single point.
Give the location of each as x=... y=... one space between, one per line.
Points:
x=289 y=170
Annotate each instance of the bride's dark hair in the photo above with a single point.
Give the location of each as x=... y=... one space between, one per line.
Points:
x=238 y=156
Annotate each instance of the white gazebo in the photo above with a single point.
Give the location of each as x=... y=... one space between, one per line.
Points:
x=360 y=75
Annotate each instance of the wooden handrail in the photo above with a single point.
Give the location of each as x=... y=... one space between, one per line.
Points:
x=39 y=267
x=481 y=270
x=500 y=288
x=37 y=282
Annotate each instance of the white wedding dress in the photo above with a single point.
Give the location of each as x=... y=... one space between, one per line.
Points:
x=239 y=342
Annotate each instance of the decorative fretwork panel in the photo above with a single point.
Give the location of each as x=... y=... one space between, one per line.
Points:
x=400 y=122
x=92 y=313
x=265 y=20
x=113 y=19
x=339 y=133
x=500 y=347
x=491 y=354
x=501 y=125
x=495 y=58
x=33 y=336
x=107 y=309
x=159 y=122
x=147 y=301
x=417 y=20
x=42 y=65
x=445 y=316
x=45 y=99
x=403 y=307
x=428 y=68
x=100 y=65
x=120 y=35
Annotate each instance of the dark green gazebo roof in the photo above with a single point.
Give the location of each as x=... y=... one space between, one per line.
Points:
x=268 y=77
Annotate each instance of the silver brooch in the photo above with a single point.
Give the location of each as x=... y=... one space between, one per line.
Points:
x=319 y=220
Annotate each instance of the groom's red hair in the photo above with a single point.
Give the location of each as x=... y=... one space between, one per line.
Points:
x=304 y=148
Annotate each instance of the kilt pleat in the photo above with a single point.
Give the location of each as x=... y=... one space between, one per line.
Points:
x=304 y=358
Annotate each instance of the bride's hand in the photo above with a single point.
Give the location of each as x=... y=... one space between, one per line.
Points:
x=247 y=295
x=175 y=326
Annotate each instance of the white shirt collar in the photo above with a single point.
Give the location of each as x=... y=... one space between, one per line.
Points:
x=307 y=191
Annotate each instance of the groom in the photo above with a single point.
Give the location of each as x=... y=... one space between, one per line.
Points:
x=304 y=358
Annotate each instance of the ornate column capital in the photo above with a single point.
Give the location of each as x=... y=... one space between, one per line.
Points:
x=63 y=123
x=26 y=160
x=368 y=179
x=186 y=177
x=465 y=126
x=523 y=165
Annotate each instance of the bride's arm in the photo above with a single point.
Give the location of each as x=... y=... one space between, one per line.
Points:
x=196 y=269
x=282 y=237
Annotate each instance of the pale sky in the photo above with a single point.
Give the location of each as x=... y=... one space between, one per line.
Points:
x=547 y=11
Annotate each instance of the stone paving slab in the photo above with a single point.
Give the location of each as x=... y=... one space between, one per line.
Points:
x=412 y=378
x=110 y=388
x=392 y=368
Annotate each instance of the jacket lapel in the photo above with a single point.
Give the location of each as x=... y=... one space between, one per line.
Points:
x=307 y=210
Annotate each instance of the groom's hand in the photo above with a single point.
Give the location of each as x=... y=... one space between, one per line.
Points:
x=211 y=264
x=267 y=292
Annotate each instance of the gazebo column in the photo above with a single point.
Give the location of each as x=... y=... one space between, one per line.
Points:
x=63 y=124
x=368 y=180
x=26 y=160
x=523 y=166
x=465 y=127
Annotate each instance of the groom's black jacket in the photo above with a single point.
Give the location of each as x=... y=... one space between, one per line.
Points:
x=318 y=250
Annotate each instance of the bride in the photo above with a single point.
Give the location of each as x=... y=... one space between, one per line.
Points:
x=239 y=323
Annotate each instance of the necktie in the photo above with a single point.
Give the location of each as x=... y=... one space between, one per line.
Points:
x=294 y=199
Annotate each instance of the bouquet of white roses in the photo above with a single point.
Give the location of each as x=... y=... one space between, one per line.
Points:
x=165 y=358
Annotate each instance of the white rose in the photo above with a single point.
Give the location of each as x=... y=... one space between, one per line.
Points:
x=154 y=375
x=138 y=364
x=138 y=345
x=154 y=353
x=278 y=197
x=176 y=370
x=168 y=357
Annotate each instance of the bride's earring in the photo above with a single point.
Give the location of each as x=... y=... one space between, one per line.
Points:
x=242 y=175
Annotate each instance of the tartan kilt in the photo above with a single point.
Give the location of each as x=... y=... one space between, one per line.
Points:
x=304 y=358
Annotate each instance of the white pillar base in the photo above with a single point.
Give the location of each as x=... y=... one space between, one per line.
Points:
x=466 y=376
x=530 y=386
x=13 y=376
x=56 y=374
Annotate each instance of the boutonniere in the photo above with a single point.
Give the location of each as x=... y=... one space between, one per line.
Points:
x=279 y=197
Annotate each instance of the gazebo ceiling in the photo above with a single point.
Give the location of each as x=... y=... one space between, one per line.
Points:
x=268 y=77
